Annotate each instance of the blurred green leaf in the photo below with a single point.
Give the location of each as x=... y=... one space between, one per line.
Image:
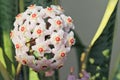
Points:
x=101 y=46
x=43 y=3
x=25 y=71
x=8 y=10
x=1 y=77
x=110 y=8
x=2 y=57
x=33 y=75
x=117 y=74
x=4 y=72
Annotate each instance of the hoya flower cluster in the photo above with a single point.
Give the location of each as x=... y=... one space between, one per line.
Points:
x=42 y=37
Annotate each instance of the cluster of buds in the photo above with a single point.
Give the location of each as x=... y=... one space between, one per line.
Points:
x=42 y=37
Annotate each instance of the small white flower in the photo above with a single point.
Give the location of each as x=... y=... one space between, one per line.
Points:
x=57 y=38
x=21 y=59
x=41 y=48
x=31 y=7
x=68 y=22
x=38 y=31
x=18 y=20
x=60 y=52
x=14 y=33
x=50 y=12
x=56 y=23
x=30 y=24
x=42 y=13
x=25 y=32
x=57 y=9
x=21 y=49
x=41 y=65
x=70 y=39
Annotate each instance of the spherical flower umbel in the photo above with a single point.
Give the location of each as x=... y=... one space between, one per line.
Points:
x=42 y=37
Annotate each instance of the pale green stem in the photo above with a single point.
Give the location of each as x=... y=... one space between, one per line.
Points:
x=21 y=5
x=18 y=69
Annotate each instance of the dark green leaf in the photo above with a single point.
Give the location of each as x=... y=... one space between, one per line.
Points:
x=117 y=74
x=8 y=9
x=43 y=3
x=100 y=53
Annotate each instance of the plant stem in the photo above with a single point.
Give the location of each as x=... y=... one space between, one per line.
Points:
x=18 y=71
x=18 y=68
x=21 y=5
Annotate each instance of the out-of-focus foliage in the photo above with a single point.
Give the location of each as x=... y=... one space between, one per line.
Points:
x=98 y=61
x=117 y=74
x=7 y=12
x=41 y=2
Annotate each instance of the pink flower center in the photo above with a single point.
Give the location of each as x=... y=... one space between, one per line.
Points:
x=17 y=46
x=57 y=38
x=34 y=15
x=69 y=20
x=39 y=31
x=23 y=29
x=62 y=54
x=58 y=22
x=41 y=49
x=72 y=41
x=49 y=8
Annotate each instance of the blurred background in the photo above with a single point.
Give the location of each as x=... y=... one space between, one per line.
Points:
x=87 y=15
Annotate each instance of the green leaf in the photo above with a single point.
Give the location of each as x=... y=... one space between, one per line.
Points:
x=4 y=72
x=26 y=71
x=8 y=10
x=43 y=3
x=117 y=73
x=2 y=57
x=1 y=77
x=107 y=15
x=33 y=75
x=101 y=45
